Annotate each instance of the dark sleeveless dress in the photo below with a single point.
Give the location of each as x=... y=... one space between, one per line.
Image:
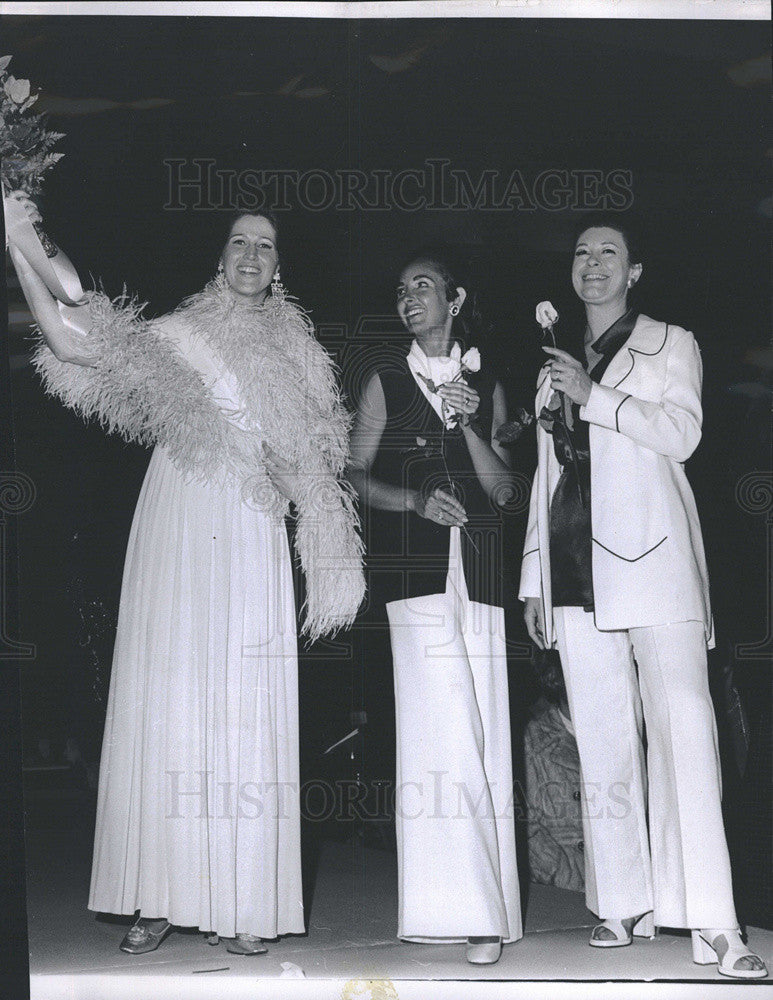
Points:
x=409 y=553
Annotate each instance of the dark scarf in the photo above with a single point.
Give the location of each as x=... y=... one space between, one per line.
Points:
x=570 y=524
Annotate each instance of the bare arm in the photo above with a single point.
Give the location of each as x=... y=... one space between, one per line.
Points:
x=490 y=459
x=62 y=339
x=368 y=429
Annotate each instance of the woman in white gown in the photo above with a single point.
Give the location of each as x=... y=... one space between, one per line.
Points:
x=198 y=819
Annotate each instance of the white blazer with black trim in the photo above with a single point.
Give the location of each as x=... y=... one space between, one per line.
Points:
x=648 y=561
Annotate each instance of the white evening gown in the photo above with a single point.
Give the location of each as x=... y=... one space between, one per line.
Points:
x=198 y=814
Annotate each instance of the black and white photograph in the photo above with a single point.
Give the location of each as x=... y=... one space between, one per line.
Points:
x=386 y=500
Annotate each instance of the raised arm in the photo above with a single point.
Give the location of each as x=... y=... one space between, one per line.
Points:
x=672 y=426
x=490 y=458
x=64 y=341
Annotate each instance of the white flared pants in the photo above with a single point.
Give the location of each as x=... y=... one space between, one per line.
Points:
x=455 y=825
x=681 y=870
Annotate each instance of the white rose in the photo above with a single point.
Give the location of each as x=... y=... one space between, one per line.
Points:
x=546 y=314
x=17 y=90
x=471 y=360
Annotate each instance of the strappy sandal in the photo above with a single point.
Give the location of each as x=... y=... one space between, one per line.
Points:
x=140 y=939
x=642 y=926
x=706 y=952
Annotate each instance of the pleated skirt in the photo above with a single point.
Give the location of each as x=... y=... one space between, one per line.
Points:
x=198 y=815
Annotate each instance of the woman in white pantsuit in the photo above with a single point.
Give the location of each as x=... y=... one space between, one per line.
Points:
x=417 y=453
x=614 y=573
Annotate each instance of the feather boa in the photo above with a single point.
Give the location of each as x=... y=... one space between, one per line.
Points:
x=145 y=390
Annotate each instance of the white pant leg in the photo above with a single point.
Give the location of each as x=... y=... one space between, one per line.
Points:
x=605 y=706
x=690 y=863
x=457 y=873
x=484 y=637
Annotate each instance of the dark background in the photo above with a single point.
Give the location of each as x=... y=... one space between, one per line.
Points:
x=676 y=103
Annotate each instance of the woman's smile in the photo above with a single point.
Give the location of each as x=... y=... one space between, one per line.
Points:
x=422 y=303
x=601 y=271
x=250 y=257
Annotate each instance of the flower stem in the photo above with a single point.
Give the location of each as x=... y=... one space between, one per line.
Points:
x=562 y=420
x=448 y=473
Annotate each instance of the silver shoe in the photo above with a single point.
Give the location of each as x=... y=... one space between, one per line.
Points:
x=484 y=950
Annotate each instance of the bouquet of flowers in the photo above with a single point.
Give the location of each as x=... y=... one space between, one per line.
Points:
x=25 y=141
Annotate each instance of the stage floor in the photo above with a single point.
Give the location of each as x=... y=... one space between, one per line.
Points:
x=352 y=919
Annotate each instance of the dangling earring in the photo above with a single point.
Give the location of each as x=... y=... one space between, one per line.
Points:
x=220 y=281
x=454 y=310
x=278 y=290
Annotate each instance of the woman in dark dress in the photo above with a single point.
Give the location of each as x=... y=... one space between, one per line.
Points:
x=424 y=448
